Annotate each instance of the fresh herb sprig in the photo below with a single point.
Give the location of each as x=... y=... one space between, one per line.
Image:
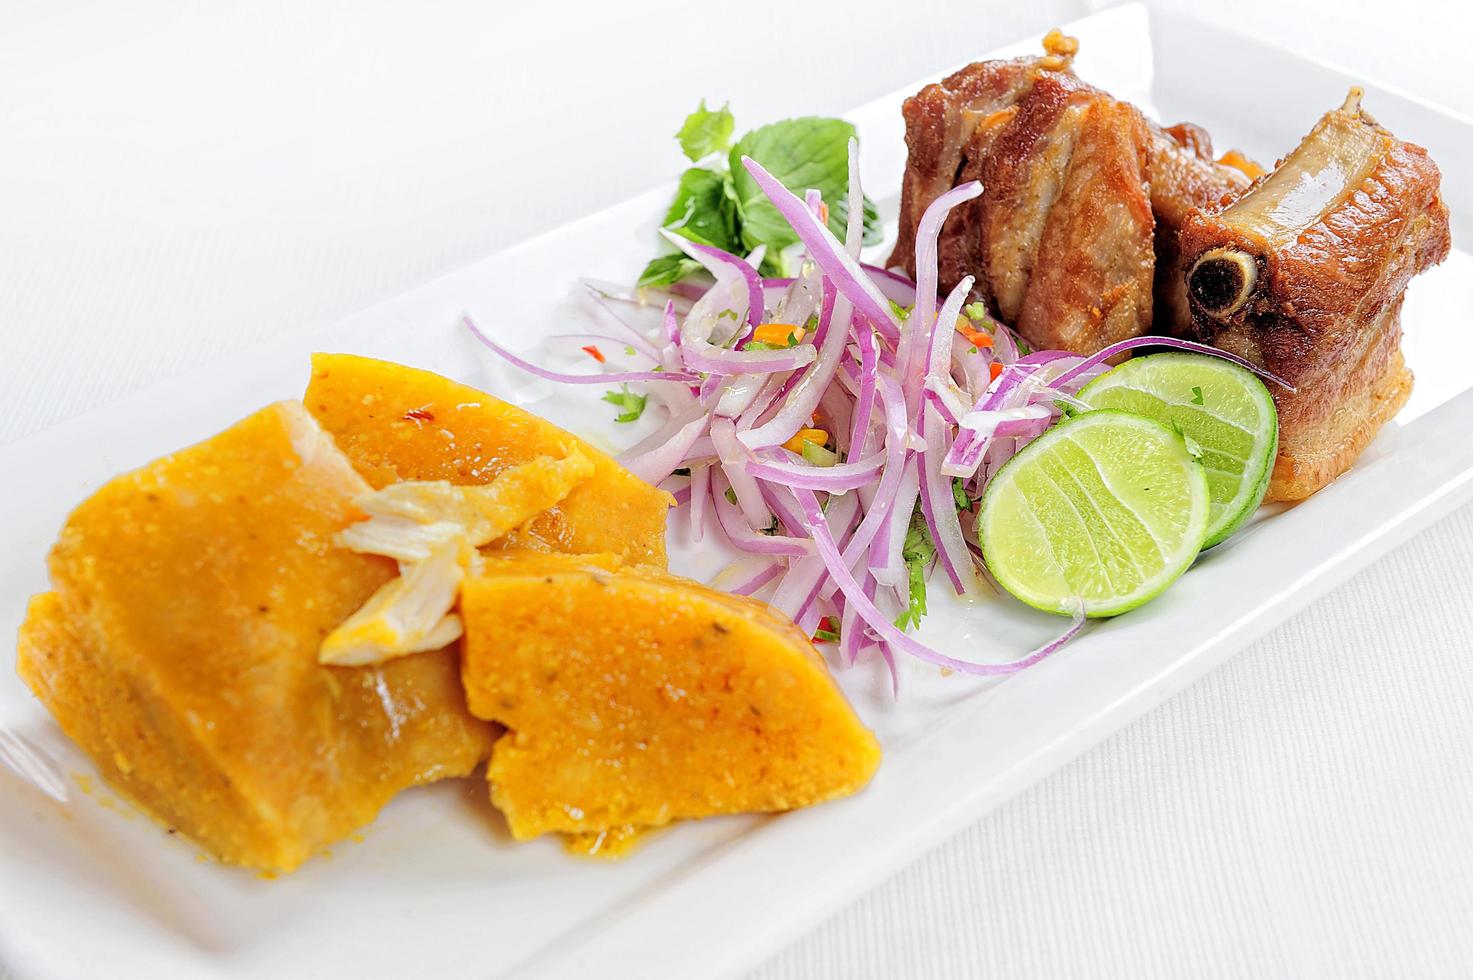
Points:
x=718 y=203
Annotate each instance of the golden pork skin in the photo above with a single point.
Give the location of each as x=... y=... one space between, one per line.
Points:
x=634 y=698
x=179 y=649
x=1305 y=274
x=401 y=423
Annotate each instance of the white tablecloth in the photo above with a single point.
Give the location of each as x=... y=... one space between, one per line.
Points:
x=179 y=181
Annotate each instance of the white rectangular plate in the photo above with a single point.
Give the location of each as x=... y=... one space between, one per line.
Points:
x=436 y=888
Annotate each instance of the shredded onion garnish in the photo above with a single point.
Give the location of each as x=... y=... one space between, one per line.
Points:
x=845 y=461
x=432 y=529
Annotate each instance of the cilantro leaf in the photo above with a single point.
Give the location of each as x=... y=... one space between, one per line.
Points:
x=1197 y=395
x=631 y=405
x=959 y=495
x=918 y=553
x=808 y=152
x=705 y=131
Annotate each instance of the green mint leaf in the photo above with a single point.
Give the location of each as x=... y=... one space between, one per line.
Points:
x=705 y=131
x=667 y=269
x=705 y=210
x=804 y=153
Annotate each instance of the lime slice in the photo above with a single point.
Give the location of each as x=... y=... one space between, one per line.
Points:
x=1219 y=406
x=1106 y=507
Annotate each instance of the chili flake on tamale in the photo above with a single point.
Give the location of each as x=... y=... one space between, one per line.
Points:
x=400 y=423
x=634 y=698
x=179 y=649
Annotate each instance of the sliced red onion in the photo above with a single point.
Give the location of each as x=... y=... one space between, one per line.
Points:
x=829 y=296
x=938 y=506
x=700 y=497
x=734 y=457
x=854 y=595
x=920 y=324
x=607 y=377
x=887 y=562
x=977 y=428
x=1004 y=343
x=779 y=500
x=653 y=463
x=749 y=573
x=864 y=400
x=877 y=508
x=938 y=355
x=723 y=264
x=741 y=533
x=843 y=270
x=839 y=478
x=945 y=400
x=632 y=335
x=803 y=592
x=1100 y=357
x=806 y=394
x=645 y=297
x=852 y=637
x=892 y=285
x=854 y=228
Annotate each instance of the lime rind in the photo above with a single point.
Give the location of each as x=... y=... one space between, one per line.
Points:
x=1226 y=412
x=1107 y=508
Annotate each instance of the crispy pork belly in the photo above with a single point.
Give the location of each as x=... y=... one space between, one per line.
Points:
x=1078 y=189
x=949 y=128
x=1304 y=274
x=1064 y=222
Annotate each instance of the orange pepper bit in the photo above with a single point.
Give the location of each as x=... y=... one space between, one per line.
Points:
x=593 y=352
x=816 y=436
x=1236 y=160
x=994 y=369
x=978 y=338
x=777 y=334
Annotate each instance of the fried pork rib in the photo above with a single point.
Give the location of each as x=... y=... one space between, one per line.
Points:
x=1305 y=274
x=1073 y=238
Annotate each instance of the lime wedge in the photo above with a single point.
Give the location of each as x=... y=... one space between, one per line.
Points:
x=1107 y=508
x=1220 y=407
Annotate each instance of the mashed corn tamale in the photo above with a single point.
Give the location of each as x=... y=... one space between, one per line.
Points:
x=400 y=423
x=179 y=649
x=633 y=697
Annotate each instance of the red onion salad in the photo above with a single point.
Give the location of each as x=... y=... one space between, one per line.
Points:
x=919 y=410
